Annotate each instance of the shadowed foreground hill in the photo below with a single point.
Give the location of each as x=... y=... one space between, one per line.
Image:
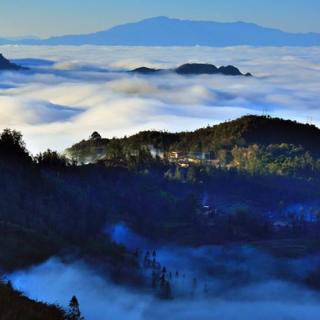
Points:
x=15 y=306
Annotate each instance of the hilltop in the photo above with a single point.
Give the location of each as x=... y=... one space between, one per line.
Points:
x=257 y=144
x=251 y=129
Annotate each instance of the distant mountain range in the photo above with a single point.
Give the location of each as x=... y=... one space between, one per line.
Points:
x=163 y=31
x=195 y=69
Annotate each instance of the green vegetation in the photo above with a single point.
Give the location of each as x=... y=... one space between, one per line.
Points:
x=283 y=159
x=256 y=145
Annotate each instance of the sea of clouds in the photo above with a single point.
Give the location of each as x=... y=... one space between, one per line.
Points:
x=71 y=91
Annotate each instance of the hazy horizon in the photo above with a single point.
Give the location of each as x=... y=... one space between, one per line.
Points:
x=46 y=18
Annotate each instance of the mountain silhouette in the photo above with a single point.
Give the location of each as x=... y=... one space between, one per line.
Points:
x=195 y=69
x=146 y=70
x=5 y=64
x=163 y=31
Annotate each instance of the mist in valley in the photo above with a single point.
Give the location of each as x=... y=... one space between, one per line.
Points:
x=213 y=282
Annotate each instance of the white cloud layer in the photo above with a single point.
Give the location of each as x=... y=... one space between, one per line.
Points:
x=100 y=299
x=72 y=91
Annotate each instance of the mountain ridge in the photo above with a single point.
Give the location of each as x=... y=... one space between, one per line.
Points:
x=164 y=31
x=269 y=139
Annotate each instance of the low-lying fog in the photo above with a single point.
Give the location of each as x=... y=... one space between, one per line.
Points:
x=71 y=91
x=232 y=283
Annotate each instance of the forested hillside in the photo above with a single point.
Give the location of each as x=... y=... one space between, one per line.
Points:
x=257 y=145
x=51 y=206
x=68 y=204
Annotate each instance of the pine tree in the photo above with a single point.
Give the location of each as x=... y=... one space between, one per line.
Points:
x=95 y=136
x=167 y=290
x=74 y=310
x=162 y=280
x=154 y=280
x=146 y=260
x=194 y=286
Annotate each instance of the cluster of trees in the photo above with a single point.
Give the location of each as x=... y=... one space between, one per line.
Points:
x=164 y=282
x=283 y=159
x=160 y=278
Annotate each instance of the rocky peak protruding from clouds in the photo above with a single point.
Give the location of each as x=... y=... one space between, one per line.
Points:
x=5 y=64
x=196 y=69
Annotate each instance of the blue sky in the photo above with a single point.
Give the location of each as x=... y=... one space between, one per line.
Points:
x=56 y=17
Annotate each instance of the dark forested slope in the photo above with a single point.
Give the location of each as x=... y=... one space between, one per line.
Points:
x=15 y=306
x=54 y=206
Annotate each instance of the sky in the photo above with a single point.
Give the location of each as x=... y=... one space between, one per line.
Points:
x=46 y=18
